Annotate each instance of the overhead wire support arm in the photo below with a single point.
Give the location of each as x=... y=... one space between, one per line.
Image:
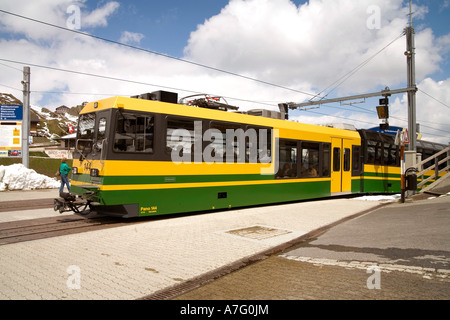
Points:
x=385 y=92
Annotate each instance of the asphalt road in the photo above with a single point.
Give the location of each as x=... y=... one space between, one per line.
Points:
x=405 y=234
x=398 y=252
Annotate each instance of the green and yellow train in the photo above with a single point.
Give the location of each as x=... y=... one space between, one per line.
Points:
x=151 y=155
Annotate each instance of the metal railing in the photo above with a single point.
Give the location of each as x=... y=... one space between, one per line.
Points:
x=434 y=167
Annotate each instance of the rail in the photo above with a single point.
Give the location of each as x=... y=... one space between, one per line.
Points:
x=434 y=167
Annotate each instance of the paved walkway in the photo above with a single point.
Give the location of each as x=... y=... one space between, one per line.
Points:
x=355 y=260
x=138 y=260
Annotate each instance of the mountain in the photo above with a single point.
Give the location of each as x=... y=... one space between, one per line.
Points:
x=46 y=125
x=8 y=99
x=52 y=125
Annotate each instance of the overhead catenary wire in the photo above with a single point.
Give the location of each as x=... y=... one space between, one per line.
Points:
x=349 y=74
x=445 y=105
x=361 y=110
x=5 y=65
x=336 y=83
x=186 y=90
x=119 y=79
x=156 y=53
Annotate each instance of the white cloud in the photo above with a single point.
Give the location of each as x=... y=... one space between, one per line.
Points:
x=128 y=37
x=99 y=16
x=317 y=42
x=433 y=109
x=53 y=12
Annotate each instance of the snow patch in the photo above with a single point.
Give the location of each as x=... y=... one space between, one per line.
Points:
x=393 y=197
x=18 y=177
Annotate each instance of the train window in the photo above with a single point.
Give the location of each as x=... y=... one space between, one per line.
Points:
x=86 y=126
x=258 y=144
x=101 y=134
x=219 y=146
x=287 y=160
x=391 y=155
x=336 y=159
x=356 y=161
x=386 y=154
x=180 y=138
x=326 y=160
x=309 y=160
x=347 y=155
x=86 y=129
x=373 y=152
x=134 y=133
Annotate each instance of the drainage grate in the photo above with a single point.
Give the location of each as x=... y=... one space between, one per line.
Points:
x=258 y=232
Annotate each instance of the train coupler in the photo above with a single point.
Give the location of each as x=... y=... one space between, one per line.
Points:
x=69 y=202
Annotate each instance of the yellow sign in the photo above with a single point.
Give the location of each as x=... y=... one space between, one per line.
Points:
x=10 y=140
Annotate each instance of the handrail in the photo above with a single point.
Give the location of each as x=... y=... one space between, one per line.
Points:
x=432 y=157
x=434 y=166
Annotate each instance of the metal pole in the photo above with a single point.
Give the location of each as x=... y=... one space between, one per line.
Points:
x=26 y=117
x=293 y=105
x=411 y=68
x=402 y=166
x=411 y=84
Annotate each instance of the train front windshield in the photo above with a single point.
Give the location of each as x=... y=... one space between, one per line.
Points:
x=91 y=135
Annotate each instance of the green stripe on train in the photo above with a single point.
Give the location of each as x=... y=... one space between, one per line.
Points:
x=165 y=201
x=380 y=186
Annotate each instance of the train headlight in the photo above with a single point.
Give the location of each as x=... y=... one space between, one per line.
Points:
x=74 y=170
x=94 y=173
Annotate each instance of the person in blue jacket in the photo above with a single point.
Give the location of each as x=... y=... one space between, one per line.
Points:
x=64 y=170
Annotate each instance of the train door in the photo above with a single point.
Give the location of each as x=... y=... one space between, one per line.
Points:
x=100 y=146
x=341 y=178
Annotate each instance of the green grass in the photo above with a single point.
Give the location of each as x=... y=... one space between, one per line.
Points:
x=39 y=162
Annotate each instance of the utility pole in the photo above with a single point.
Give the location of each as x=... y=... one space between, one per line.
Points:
x=26 y=117
x=386 y=92
x=411 y=91
x=411 y=68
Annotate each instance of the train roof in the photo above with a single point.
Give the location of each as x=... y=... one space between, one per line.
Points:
x=389 y=138
x=254 y=117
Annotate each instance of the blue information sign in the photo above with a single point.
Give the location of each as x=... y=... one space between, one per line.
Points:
x=11 y=112
x=392 y=130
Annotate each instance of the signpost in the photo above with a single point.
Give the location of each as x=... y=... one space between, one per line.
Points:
x=26 y=117
x=15 y=125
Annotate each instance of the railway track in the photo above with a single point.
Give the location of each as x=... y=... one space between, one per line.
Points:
x=27 y=230
x=25 y=204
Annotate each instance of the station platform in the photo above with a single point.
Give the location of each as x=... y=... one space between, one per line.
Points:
x=135 y=261
x=140 y=261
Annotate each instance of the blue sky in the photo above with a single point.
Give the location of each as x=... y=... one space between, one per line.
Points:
x=302 y=45
x=165 y=24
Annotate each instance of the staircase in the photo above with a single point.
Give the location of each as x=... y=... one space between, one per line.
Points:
x=432 y=172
